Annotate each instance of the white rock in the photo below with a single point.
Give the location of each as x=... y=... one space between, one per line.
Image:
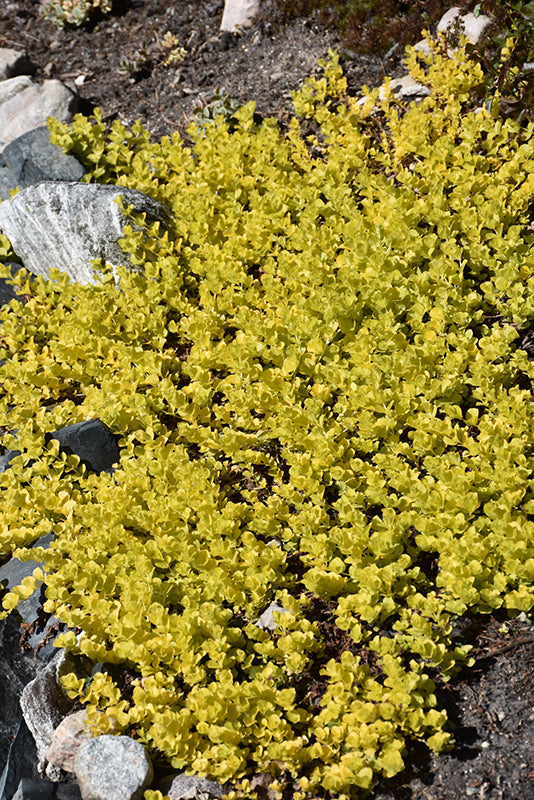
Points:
x=267 y=622
x=30 y=108
x=112 y=768
x=473 y=27
x=423 y=46
x=407 y=87
x=13 y=62
x=448 y=19
x=238 y=13
x=66 y=741
x=9 y=88
x=68 y=224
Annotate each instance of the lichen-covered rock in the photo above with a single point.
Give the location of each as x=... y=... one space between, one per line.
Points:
x=112 y=768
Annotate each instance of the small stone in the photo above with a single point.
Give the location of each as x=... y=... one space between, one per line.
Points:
x=31 y=107
x=238 y=14
x=422 y=46
x=266 y=622
x=66 y=741
x=448 y=19
x=190 y=787
x=407 y=87
x=33 y=158
x=112 y=768
x=91 y=441
x=473 y=27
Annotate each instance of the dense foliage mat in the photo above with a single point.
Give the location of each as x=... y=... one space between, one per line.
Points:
x=322 y=385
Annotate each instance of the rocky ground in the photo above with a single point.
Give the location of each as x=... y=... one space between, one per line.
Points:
x=128 y=64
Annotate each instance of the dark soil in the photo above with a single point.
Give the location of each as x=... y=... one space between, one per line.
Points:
x=491 y=712
x=122 y=60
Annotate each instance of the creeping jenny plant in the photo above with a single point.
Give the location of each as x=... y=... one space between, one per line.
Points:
x=318 y=381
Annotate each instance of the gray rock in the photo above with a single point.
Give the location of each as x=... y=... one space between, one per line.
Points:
x=7 y=179
x=18 y=756
x=31 y=107
x=33 y=158
x=14 y=62
x=13 y=86
x=190 y=787
x=66 y=741
x=44 y=704
x=68 y=791
x=112 y=768
x=92 y=442
x=11 y=574
x=21 y=762
x=266 y=622
x=34 y=789
x=67 y=225
x=14 y=570
x=7 y=458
